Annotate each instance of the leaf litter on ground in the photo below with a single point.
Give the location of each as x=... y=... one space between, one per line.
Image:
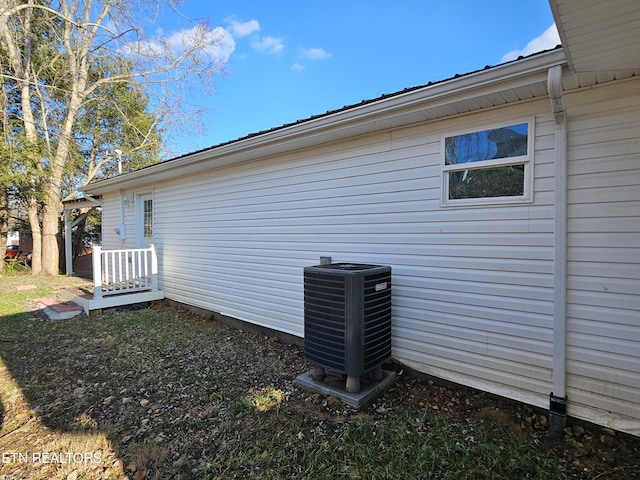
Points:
x=164 y=393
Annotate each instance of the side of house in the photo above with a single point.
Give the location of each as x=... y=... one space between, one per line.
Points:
x=603 y=257
x=475 y=275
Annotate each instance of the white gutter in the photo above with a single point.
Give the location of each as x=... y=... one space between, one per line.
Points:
x=558 y=397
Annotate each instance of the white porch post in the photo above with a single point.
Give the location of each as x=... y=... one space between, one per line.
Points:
x=154 y=268
x=68 y=243
x=97 y=272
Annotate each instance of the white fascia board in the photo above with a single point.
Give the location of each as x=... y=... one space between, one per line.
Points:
x=367 y=117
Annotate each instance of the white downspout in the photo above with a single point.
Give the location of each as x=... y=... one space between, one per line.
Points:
x=558 y=397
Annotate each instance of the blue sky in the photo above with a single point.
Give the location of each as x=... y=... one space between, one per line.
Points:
x=288 y=60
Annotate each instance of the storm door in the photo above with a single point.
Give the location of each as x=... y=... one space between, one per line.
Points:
x=144 y=220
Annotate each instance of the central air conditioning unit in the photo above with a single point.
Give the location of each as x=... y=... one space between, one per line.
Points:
x=347 y=319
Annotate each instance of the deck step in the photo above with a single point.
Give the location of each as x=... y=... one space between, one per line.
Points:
x=57 y=309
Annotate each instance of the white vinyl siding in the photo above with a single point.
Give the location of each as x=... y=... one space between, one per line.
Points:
x=478 y=310
x=472 y=288
x=604 y=255
x=111 y=220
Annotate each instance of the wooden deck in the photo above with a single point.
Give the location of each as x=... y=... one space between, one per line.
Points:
x=90 y=304
x=120 y=277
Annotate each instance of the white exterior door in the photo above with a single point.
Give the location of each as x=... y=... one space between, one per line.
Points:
x=144 y=220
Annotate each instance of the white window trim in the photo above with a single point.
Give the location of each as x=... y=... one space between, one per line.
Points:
x=527 y=160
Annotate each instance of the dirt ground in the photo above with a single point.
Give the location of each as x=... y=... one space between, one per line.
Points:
x=585 y=451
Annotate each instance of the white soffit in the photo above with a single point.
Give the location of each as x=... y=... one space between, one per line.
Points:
x=599 y=35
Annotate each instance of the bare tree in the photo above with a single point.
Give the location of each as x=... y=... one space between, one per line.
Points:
x=54 y=52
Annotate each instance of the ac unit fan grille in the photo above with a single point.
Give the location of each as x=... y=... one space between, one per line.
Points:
x=324 y=326
x=377 y=319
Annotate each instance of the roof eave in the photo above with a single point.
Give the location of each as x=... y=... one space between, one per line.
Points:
x=387 y=112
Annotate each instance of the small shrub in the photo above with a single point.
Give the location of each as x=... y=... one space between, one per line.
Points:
x=15 y=267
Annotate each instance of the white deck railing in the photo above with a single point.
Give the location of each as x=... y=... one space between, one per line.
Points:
x=117 y=272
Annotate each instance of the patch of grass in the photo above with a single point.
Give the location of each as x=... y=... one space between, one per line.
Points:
x=403 y=443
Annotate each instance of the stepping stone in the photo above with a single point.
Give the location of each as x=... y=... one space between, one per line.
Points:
x=57 y=310
x=25 y=288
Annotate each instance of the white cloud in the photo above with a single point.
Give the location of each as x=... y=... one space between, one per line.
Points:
x=297 y=67
x=315 y=53
x=238 y=29
x=548 y=40
x=217 y=44
x=268 y=45
x=214 y=45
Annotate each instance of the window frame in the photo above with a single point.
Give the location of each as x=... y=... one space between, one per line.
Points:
x=526 y=160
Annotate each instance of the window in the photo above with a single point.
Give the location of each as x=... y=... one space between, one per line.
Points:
x=488 y=166
x=147 y=218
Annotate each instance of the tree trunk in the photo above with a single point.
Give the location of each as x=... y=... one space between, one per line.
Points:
x=50 y=252
x=22 y=67
x=52 y=191
x=36 y=236
x=4 y=221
